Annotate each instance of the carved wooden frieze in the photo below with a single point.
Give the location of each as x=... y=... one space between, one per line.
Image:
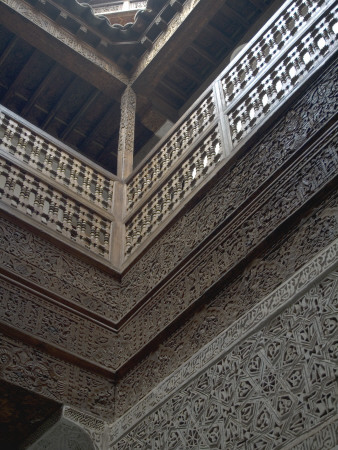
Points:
x=38 y=261
x=278 y=262
x=57 y=325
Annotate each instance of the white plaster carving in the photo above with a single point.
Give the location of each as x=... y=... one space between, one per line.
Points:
x=303 y=306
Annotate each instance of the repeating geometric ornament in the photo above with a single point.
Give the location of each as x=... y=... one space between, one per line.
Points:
x=268 y=390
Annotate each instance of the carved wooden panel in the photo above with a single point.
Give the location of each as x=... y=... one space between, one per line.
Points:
x=56 y=325
x=38 y=261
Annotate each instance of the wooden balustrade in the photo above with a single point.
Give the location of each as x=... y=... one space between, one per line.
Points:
x=182 y=181
x=292 y=45
x=43 y=180
x=43 y=153
x=186 y=132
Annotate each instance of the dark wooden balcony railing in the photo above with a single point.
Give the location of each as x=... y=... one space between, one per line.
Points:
x=53 y=186
x=280 y=58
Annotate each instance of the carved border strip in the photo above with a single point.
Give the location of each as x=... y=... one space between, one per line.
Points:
x=319 y=437
x=279 y=299
x=56 y=271
x=57 y=325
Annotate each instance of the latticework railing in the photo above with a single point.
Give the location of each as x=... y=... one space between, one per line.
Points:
x=296 y=41
x=45 y=181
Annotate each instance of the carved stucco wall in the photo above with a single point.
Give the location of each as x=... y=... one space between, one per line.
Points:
x=267 y=381
x=272 y=267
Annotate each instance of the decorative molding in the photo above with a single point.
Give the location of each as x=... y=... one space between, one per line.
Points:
x=324 y=437
x=76 y=334
x=235 y=365
x=53 y=269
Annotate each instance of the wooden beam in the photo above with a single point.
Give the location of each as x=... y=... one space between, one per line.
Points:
x=109 y=112
x=8 y=49
x=108 y=147
x=57 y=105
x=219 y=35
x=259 y=4
x=227 y=11
x=204 y=54
x=31 y=102
x=126 y=144
x=188 y=72
x=172 y=43
x=20 y=77
x=161 y=104
x=43 y=33
x=166 y=105
x=170 y=86
x=91 y=98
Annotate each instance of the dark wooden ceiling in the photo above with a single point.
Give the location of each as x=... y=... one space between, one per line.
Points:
x=21 y=414
x=55 y=98
x=59 y=102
